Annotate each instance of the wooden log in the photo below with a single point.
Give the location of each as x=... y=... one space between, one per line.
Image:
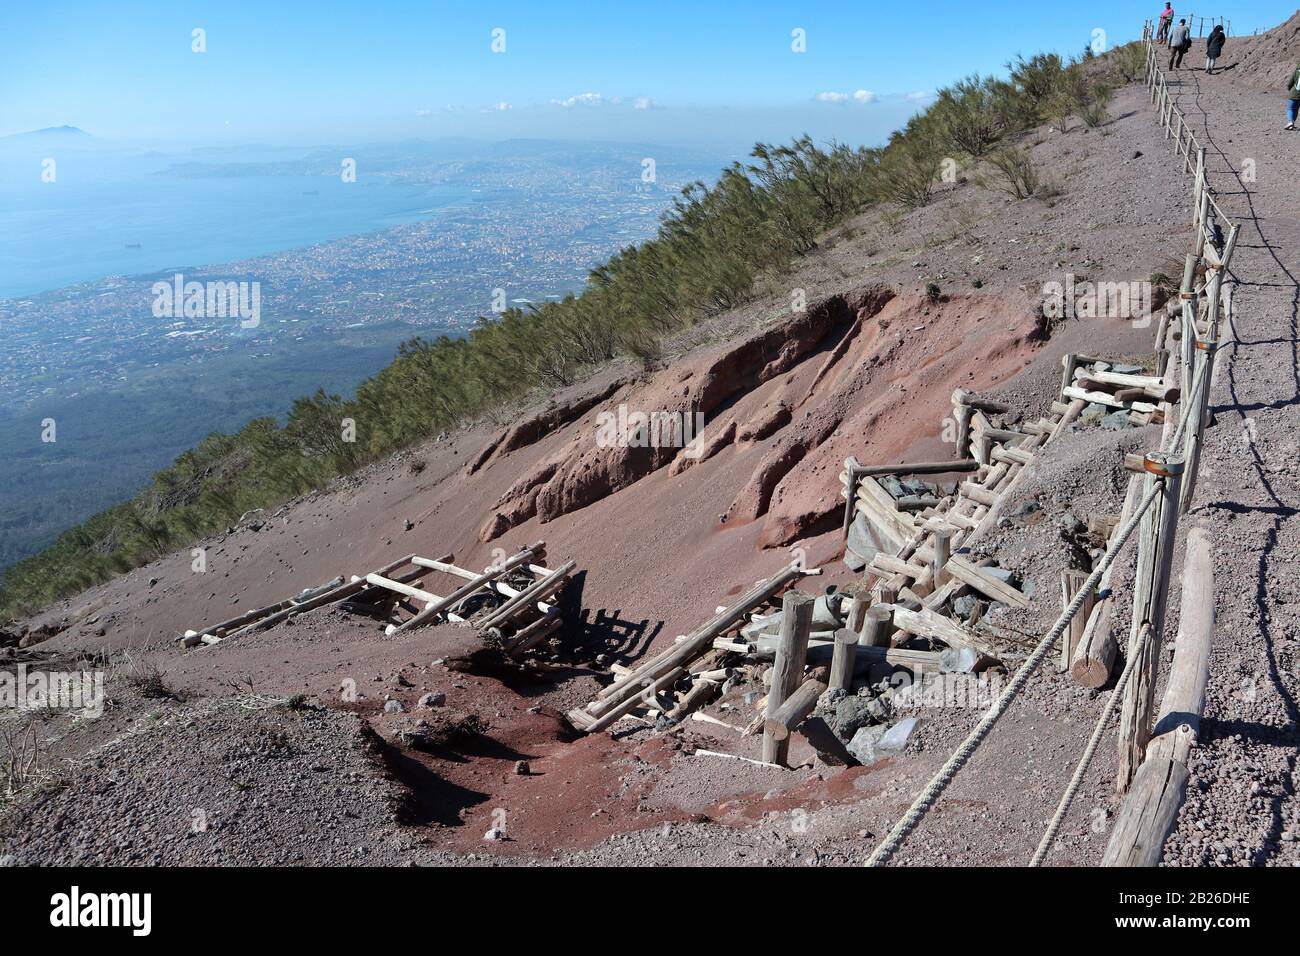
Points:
x=1150 y=593
x=942 y=551
x=1095 y=653
x=1014 y=456
x=779 y=725
x=963 y=397
x=1106 y=398
x=329 y=597
x=877 y=625
x=1005 y=435
x=435 y=608
x=645 y=697
x=702 y=692
x=933 y=625
x=388 y=584
x=978 y=493
x=532 y=635
x=698 y=640
x=1184 y=697
x=497 y=585
x=916 y=502
x=787 y=669
x=885 y=565
x=536 y=591
x=916 y=468
x=988 y=585
x=859 y=604
x=1147 y=815
x=962 y=414
x=850 y=479
x=1071 y=581
x=843 y=659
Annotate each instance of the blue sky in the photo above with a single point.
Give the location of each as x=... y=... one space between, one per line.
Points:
x=298 y=72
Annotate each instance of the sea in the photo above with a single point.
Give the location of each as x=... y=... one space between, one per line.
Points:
x=109 y=213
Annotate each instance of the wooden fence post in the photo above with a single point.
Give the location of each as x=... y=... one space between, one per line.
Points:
x=787 y=670
x=1155 y=556
x=1198 y=408
x=1150 y=810
x=1071 y=581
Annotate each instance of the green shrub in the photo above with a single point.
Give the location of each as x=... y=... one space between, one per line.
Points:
x=1017 y=169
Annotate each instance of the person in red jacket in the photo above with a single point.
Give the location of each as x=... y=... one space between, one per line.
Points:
x=1166 y=21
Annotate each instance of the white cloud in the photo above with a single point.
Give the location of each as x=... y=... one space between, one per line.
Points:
x=920 y=96
x=644 y=103
x=501 y=107
x=865 y=96
x=832 y=97
x=423 y=112
x=582 y=99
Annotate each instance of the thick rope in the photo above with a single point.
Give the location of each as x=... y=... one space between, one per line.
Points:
x=1049 y=837
x=927 y=797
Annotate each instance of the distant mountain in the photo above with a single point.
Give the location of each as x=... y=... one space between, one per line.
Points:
x=50 y=132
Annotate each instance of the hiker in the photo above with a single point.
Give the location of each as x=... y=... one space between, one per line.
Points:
x=1213 y=47
x=1180 y=41
x=1293 y=101
x=1166 y=19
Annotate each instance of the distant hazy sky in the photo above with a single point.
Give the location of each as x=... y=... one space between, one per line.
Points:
x=655 y=70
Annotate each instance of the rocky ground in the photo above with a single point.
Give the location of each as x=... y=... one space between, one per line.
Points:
x=434 y=760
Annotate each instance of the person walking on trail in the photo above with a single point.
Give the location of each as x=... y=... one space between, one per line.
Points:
x=1180 y=41
x=1166 y=20
x=1213 y=47
x=1293 y=99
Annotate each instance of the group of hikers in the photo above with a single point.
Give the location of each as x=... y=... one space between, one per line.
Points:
x=1178 y=37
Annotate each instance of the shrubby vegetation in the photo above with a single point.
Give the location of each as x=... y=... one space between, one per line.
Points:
x=759 y=217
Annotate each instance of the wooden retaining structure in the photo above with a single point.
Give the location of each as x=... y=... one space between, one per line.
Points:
x=516 y=616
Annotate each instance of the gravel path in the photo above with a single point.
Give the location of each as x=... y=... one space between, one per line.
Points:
x=1241 y=806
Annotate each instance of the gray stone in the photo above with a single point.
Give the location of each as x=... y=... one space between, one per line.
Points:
x=863 y=744
x=860 y=548
x=958 y=660
x=1002 y=574
x=965 y=606
x=897 y=736
x=915 y=486
x=824 y=616
x=1117 y=420
x=1122 y=369
x=1093 y=413
x=892 y=484
x=436 y=699
x=392 y=707
x=853 y=713
x=1070 y=522
x=1026 y=507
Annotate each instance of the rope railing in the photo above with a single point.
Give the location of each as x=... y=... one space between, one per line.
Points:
x=930 y=794
x=1169 y=477
x=1140 y=763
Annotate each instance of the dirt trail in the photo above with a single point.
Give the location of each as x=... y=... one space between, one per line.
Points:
x=1241 y=806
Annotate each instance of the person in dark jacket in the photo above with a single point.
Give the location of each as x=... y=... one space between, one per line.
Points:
x=1213 y=47
x=1180 y=41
